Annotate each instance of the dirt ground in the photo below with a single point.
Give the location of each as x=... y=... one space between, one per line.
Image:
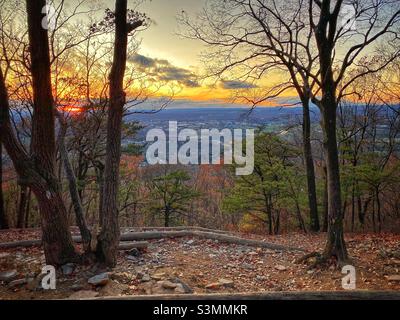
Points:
x=207 y=266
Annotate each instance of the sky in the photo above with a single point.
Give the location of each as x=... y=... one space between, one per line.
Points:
x=164 y=48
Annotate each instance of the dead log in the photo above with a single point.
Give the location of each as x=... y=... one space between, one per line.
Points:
x=289 y=295
x=132 y=245
x=153 y=235
x=77 y=239
x=206 y=235
x=182 y=228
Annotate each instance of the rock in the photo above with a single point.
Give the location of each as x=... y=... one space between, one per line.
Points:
x=260 y=278
x=77 y=287
x=214 y=286
x=8 y=276
x=134 y=252
x=168 y=285
x=310 y=271
x=253 y=253
x=247 y=266
x=146 y=278
x=17 y=283
x=83 y=294
x=113 y=289
x=158 y=276
x=395 y=277
x=179 y=282
x=132 y=258
x=143 y=277
x=4 y=255
x=190 y=242
x=180 y=289
x=99 y=280
x=68 y=269
x=157 y=289
x=280 y=267
x=35 y=284
x=226 y=283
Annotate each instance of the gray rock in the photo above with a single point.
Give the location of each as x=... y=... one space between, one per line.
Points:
x=280 y=267
x=35 y=284
x=145 y=278
x=168 y=284
x=17 y=283
x=132 y=258
x=180 y=289
x=260 y=278
x=247 y=266
x=226 y=283
x=184 y=285
x=8 y=276
x=100 y=280
x=68 y=269
x=134 y=252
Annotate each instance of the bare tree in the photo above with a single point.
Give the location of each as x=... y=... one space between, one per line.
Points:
x=318 y=51
x=38 y=170
x=108 y=238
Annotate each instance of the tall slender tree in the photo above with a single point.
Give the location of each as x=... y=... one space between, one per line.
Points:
x=3 y=217
x=108 y=238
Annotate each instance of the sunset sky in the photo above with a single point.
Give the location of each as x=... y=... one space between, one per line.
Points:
x=162 y=45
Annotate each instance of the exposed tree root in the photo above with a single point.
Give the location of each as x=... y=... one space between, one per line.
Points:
x=318 y=260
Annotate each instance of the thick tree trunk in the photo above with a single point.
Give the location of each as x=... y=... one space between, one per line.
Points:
x=309 y=162
x=58 y=245
x=3 y=217
x=108 y=238
x=325 y=39
x=335 y=245
x=38 y=172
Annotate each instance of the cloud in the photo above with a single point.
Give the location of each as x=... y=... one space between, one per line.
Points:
x=235 y=84
x=163 y=70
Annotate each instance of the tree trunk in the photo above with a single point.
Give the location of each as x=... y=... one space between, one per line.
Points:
x=300 y=219
x=325 y=201
x=166 y=218
x=335 y=245
x=28 y=208
x=38 y=171
x=3 y=217
x=73 y=187
x=108 y=238
x=22 y=207
x=378 y=210
x=309 y=162
x=325 y=39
